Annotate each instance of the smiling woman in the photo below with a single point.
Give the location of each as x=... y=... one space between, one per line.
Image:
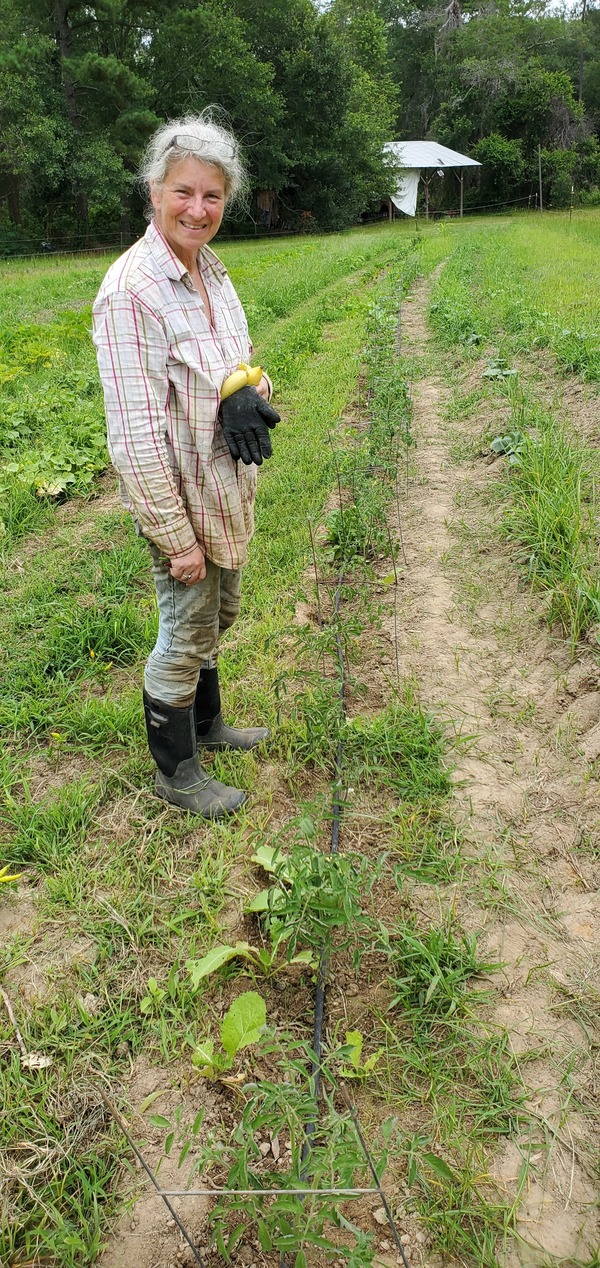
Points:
x=188 y=209
x=169 y=330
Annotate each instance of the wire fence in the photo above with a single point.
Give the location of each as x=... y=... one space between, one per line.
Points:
x=105 y=244
x=94 y=244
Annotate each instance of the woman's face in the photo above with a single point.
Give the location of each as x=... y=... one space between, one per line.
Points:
x=189 y=206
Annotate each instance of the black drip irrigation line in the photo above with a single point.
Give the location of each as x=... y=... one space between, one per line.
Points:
x=322 y=976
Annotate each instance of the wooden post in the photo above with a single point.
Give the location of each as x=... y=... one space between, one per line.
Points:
x=540 y=176
x=390 y=209
x=462 y=190
x=426 y=184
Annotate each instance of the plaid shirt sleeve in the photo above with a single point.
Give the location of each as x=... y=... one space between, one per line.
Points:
x=132 y=358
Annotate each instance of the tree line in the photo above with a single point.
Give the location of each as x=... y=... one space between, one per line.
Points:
x=313 y=89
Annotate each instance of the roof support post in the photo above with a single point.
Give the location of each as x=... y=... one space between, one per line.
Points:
x=462 y=190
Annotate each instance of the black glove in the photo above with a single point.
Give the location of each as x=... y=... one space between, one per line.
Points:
x=245 y=419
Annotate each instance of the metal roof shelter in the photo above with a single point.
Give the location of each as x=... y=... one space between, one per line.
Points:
x=415 y=157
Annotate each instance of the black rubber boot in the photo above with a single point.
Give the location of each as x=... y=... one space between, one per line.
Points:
x=180 y=778
x=211 y=730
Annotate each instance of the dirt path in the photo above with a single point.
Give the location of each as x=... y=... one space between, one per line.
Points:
x=527 y=719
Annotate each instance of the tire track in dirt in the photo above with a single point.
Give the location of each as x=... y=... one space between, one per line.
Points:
x=527 y=722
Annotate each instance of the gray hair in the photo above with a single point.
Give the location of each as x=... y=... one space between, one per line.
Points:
x=194 y=136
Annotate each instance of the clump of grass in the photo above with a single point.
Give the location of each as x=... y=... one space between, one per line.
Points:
x=466 y=1214
x=401 y=748
x=115 y=634
x=431 y=972
x=425 y=842
x=22 y=512
x=47 y=832
x=55 y=1144
x=551 y=518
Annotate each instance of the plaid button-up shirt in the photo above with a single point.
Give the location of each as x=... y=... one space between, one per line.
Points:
x=162 y=363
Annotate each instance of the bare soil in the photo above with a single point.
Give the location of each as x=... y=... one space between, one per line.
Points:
x=526 y=717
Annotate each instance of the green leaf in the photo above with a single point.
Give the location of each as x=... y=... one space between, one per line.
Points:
x=260 y=902
x=169 y=1142
x=303 y=957
x=234 y=1238
x=371 y=1062
x=300 y=1260
x=264 y=856
x=271 y=859
x=243 y=1022
x=264 y=1236
x=216 y=958
x=354 y=1041
x=433 y=985
x=149 y=1100
x=438 y=1165
x=158 y=1120
x=203 y=1056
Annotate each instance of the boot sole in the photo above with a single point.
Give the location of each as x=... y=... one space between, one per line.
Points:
x=221 y=746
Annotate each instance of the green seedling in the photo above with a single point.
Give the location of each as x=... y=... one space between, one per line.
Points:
x=498 y=368
x=260 y=958
x=241 y=1027
x=348 y=534
x=152 y=1001
x=508 y=445
x=318 y=899
x=352 y=1053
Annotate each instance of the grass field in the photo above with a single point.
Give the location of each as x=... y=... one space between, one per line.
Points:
x=120 y=900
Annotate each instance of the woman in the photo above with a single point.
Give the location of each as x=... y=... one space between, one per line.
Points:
x=169 y=329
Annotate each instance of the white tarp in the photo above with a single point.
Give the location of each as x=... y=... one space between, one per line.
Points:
x=410 y=157
x=412 y=154
x=405 y=198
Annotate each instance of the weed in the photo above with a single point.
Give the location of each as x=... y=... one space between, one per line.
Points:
x=551 y=518
x=431 y=972
x=45 y=832
x=401 y=748
x=59 y=1153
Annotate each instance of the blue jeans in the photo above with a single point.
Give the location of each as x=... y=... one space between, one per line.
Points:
x=190 y=622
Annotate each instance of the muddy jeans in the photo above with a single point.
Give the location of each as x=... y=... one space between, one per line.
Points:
x=190 y=621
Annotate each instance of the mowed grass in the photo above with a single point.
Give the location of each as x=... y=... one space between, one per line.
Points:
x=509 y=290
x=125 y=891
x=534 y=280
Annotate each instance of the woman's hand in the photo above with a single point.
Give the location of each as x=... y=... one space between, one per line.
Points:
x=189 y=568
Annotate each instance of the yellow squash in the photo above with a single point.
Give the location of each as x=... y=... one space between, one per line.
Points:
x=244 y=376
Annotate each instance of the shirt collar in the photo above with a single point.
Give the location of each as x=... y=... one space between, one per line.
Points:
x=172 y=267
